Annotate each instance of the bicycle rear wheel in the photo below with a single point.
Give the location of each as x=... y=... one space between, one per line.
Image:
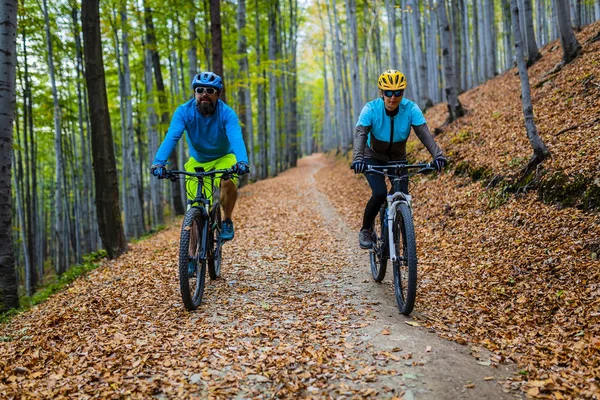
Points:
x=378 y=252
x=192 y=269
x=405 y=268
x=216 y=250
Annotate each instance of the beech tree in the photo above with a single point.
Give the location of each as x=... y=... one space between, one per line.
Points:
x=9 y=297
x=540 y=152
x=570 y=45
x=105 y=168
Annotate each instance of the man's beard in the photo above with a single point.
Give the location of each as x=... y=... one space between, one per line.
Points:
x=206 y=107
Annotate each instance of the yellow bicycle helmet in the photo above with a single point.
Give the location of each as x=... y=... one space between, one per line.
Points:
x=392 y=80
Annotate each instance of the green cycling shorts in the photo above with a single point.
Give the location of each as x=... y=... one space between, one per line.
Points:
x=191 y=184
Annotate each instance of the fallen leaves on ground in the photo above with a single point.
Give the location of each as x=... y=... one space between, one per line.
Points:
x=275 y=325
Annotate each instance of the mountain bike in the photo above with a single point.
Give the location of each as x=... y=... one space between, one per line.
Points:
x=394 y=224
x=200 y=244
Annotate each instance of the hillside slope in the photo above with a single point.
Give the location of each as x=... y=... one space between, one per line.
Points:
x=516 y=273
x=491 y=140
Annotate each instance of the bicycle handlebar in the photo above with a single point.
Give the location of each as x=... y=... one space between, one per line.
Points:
x=393 y=170
x=172 y=174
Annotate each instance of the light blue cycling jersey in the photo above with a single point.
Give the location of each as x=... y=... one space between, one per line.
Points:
x=373 y=116
x=208 y=137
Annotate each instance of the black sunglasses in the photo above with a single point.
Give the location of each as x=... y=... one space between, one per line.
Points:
x=208 y=90
x=389 y=93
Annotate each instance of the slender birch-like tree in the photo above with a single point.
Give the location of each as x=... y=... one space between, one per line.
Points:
x=272 y=89
x=245 y=106
x=533 y=53
x=424 y=100
x=61 y=257
x=540 y=152
x=136 y=223
x=455 y=109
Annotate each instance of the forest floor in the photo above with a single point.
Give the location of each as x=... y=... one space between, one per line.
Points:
x=295 y=314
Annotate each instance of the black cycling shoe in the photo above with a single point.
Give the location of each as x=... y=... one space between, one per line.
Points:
x=365 y=238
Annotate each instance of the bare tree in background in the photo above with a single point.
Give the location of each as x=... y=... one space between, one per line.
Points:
x=455 y=109
x=570 y=45
x=540 y=152
x=217 y=42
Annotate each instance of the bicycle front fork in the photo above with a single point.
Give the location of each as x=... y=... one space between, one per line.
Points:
x=393 y=201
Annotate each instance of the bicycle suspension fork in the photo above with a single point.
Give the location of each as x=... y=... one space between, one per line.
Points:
x=393 y=200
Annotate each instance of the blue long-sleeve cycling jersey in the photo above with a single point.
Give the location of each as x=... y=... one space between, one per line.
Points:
x=208 y=137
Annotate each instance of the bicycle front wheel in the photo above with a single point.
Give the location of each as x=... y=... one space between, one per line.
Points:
x=405 y=267
x=192 y=269
x=378 y=252
x=216 y=250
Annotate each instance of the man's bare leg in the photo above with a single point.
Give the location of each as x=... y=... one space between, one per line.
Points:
x=228 y=197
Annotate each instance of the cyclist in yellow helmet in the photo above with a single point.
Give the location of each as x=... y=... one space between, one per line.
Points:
x=380 y=137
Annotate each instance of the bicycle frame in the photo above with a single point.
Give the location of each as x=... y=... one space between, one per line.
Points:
x=397 y=172
x=203 y=201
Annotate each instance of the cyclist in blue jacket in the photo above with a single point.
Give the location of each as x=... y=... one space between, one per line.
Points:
x=380 y=137
x=215 y=141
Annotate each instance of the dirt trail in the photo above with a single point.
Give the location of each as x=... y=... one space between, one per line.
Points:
x=295 y=314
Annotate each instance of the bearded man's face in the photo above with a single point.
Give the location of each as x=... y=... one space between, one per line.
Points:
x=206 y=100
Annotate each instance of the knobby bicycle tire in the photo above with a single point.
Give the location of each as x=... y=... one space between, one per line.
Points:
x=405 y=268
x=215 y=244
x=192 y=270
x=378 y=253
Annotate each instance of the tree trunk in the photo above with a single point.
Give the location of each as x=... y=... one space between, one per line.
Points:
x=262 y=168
x=132 y=178
x=533 y=53
x=575 y=5
x=540 y=152
x=356 y=98
x=293 y=85
x=60 y=261
x=570 y=45
x=390 y=7
x=478 y=67
x=272 y=90
x=424 y=100
x=490 y=38
x=193 y=51
x=30 y=171
x=432 y=53
x=338 y=126
x=466 y=46
x=245 y=106
x=454 y=107
x=85 y=192
x=217 y=41
x=506 y=20
x=105 y=169
x=9 y=296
